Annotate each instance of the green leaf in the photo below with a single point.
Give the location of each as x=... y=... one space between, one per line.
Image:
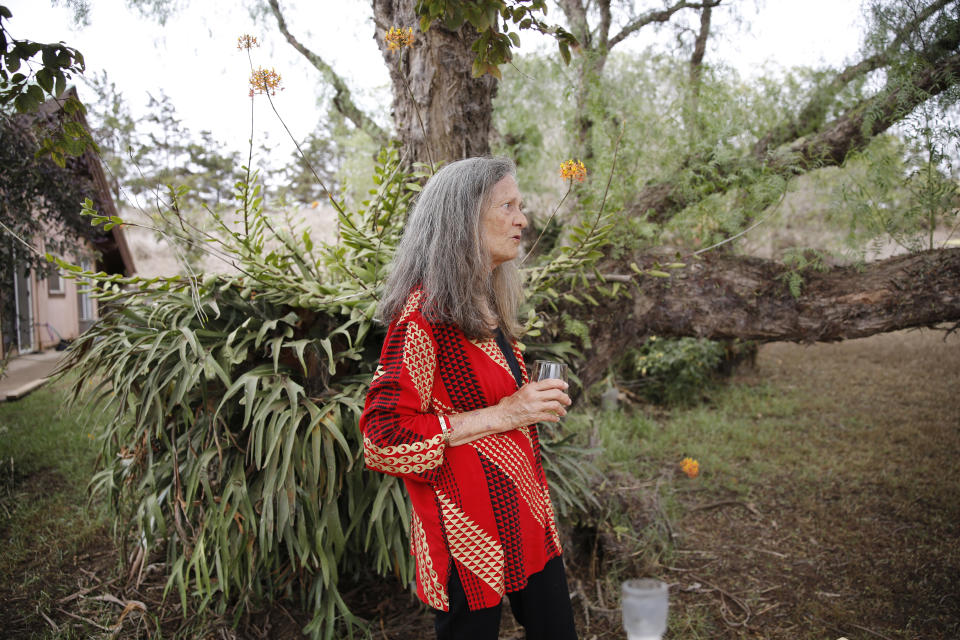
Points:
x=328 y=348
x=75 y=129
x=45 y=80
x=49 y=57
x=36 y=93
x=25 y=103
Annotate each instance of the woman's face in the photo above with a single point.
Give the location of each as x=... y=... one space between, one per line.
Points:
x=502 y=222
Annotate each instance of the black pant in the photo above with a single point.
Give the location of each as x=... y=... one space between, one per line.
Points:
x=542 y=607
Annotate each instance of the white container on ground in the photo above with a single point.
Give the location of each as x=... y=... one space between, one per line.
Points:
x=644 y=607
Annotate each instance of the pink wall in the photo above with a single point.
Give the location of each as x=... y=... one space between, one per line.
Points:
x=60 y=311
x=55 y=315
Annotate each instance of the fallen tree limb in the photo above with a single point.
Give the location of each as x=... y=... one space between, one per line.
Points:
x=727 y=297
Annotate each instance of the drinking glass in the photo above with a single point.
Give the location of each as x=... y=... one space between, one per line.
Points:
x=543 y=369
x=644 y=606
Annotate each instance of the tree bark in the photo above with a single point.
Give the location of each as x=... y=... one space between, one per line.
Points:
x=441 y=111
x=724 y=297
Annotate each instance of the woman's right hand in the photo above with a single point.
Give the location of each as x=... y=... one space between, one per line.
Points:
x=543 y=401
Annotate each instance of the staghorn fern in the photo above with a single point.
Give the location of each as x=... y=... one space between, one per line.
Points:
x=231 y=403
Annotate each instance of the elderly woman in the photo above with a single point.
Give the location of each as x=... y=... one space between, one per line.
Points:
x=450 y=410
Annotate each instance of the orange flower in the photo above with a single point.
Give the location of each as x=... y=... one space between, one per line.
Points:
x=573 y=170
x=690 y=467
x=246 y=41
x=264 y=81
x=397 y=38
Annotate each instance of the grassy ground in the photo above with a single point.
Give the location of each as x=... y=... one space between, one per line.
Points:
x=826 y=506
x=49 y=533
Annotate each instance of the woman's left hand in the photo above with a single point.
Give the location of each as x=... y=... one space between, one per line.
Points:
x=543 y=401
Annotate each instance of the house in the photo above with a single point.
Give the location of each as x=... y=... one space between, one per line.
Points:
x=43 y=310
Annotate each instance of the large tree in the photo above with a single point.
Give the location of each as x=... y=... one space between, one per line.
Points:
x=442 y=112
x=444 y=84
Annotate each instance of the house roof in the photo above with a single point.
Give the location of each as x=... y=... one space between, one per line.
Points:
x=112 y=245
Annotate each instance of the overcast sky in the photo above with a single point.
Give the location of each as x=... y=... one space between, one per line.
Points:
x=194 y=57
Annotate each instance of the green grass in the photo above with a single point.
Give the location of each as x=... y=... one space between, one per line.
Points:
x=739 y=435
x=46 y=460
x=742 y=435
x=40 y=432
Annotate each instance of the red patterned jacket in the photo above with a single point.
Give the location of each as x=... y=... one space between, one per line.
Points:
x=482 y=507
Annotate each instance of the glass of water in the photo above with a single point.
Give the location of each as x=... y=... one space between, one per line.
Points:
x=544 y=369
x=644 y=607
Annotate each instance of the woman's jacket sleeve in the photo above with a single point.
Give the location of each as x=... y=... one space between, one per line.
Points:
x=400 y=436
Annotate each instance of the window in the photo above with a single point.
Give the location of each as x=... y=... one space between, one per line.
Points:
x=55 y=284
x=84 y=301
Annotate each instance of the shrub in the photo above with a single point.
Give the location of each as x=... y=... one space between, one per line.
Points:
x=230 y=407
x=673 y=371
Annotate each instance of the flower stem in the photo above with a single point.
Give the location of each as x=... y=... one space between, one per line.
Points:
x=246 y=181
x=544 y=230
x=416 y=110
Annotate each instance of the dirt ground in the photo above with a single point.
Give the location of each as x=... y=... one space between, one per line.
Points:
x=855 y=536
x=861 y=540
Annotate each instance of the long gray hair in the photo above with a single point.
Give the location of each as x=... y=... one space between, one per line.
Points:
x=442 y=250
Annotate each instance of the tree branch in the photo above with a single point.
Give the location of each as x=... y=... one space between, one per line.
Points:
x=812 y=115
x=342 y=99
x=724 y=297
x=828 y=147
x=661 y=15
x=700 y=46
x=696 y=71
x=606 y=19
x=576 y=14
x=870 y=117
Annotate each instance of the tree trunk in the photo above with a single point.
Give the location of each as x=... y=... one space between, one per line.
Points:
x=591 y=72
x=441 y=111
x=723 y=297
